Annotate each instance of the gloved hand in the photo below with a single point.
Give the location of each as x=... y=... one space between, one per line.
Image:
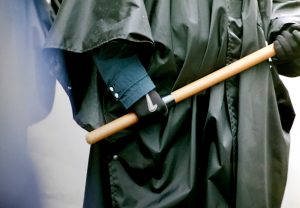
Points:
x=287 y=44
x=150 y=106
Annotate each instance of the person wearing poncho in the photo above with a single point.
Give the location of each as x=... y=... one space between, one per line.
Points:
x=225 y=147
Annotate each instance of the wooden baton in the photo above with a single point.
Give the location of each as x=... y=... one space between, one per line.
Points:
x=187 y=91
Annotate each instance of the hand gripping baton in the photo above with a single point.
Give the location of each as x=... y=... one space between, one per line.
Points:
x=187 y=91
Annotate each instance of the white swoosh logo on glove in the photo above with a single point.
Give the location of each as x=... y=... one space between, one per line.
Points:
x=151 y=107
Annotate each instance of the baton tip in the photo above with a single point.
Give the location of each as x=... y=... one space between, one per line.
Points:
x=88 y=139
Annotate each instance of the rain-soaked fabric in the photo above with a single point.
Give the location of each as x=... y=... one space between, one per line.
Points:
x=225 y=147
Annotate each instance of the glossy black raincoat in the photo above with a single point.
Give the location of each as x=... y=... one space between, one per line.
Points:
x=227 y=146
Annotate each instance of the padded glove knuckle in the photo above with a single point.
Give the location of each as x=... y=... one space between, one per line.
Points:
x=287 y=44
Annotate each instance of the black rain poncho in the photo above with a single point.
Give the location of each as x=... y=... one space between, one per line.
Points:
x=227 y=146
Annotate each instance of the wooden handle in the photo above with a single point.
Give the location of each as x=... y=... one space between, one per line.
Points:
x=187 y=91
x=224 y=73
x=111 y=128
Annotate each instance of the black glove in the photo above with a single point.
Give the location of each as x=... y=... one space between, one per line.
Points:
x=150 y=106
x=287 y=44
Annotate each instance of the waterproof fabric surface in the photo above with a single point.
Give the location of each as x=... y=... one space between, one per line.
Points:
x=227 y=146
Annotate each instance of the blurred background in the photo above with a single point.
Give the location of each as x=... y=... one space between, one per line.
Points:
x=60 y=154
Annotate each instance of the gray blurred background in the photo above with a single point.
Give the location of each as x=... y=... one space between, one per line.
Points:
x=60 y=154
